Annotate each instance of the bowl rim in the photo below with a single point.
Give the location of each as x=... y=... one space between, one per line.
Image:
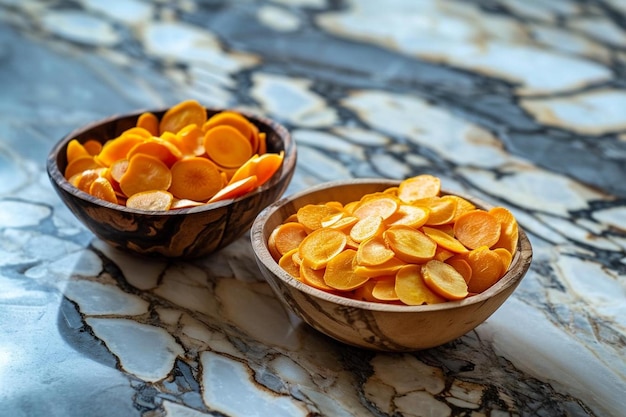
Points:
x=517 y=270
x=288 y=164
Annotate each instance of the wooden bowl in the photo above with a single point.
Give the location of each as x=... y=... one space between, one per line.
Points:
x=381 y=327
x=181 y=233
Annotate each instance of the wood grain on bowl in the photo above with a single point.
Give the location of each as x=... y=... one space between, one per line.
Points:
x=377 y=326
x=182 y=233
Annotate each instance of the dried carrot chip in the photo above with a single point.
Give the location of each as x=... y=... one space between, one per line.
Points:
x=367 y=228
x=182 y=114
x=311 y=215
x=289 y=236
x=374 y=271
x=373 y=251
x=75 y=150
x=154 y=200
x=149 y=122
x=321 y=246
x=419 y=187
x=227 y=147
x=381 y=205
x=411 y=288
x=286 y=262
x=444 y=280
x=385 y=289
x=158 y=148
x=118 y=148
x=339 y=273
x=409 y=244
x=195 y=178
x=235 y=189
x=102 y=189
x=145 y=173
x=81 y=164
x=477 y=228
x=314 y=277
x=509 y=230
x=409 y=215
x=487 y=268
x=443 y=239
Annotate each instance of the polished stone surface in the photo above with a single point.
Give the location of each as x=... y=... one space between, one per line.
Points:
x=521 y=103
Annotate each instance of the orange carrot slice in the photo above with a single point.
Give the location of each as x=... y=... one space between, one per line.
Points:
x=409 y=215
x=477 y=228
x=443 y=239
x=288 y=236
x=462 y=267
x=102 y=189
x=388 y=268
x=227 y=147
x=118 y=168
x=180 y=203
x=344 y=223
x=237 y=121
x=441 y=210
x=381 y=205
x=158 y=148
x=314 y=277
x=92 y=146
x=411 y=288
x=190 y=140
x=509 y=230
x=118 y=148
x=373 y=251
x=81 y=164
x=236 y=189
x=444 y=280
x=286 y=262
x=84 y=180
x=462 y=205
x=339 y=273
x=145 y=173
x=267 y=165
x=506 y=257
x=486 y=268
x=262 y=143
x=75 y=150
x=367 y=228
x=155 y=200
x=149 y=122
x=385 y=289
x=410 y=245
x=311 y=215
x=321 y=246
x=416 y=188
x=182 y=114
x=195 y=178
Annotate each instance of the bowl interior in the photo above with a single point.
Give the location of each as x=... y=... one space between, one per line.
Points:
x=277 y=136
x=344 y=192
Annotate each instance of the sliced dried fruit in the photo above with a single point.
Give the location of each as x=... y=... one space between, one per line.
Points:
x=182 y=114
x=321 y=246
x=411 y=288
x=145 y=173
x=155 y=200
x=477 y=228
x=444 y=280
x=410 y=245
x=340 y=274
x=195 y=178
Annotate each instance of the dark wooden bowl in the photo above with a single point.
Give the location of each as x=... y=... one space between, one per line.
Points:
x=381 y=327
x=182 y=233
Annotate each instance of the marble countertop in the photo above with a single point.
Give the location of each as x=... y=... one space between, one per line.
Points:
x=522 y=103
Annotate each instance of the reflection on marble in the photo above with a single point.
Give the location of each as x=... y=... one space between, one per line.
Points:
x=517 y=102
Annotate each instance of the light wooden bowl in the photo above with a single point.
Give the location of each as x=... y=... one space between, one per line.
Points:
x=183 y=233
x=369 y=325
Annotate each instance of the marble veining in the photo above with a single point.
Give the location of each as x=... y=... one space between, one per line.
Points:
x=519 y=103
